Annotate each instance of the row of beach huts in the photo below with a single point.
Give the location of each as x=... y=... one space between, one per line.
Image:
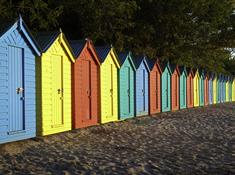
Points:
x=50 y=85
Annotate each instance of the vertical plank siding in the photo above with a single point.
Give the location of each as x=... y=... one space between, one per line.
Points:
x=126 y=89
x=54 y=113
x=17 y=70
x=86 y=87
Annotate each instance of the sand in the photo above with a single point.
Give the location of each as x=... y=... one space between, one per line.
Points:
x=191 y=141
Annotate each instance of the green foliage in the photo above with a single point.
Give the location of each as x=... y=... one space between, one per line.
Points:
x=187 y=32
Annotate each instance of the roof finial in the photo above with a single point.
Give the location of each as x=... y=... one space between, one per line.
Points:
x=60 y=30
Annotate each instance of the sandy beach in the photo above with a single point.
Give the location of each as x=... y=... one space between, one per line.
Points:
x=191 y=141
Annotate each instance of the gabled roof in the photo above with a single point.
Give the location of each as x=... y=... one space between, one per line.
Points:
x=139 y=59
x=126 y=55
x=19 y=24
x=152 y=63
x=195 y=71
x=201 y=73
x=165 y=65
x=182 y=70
x=174 y=67
x=77 y=46
x=103 y=52
x=46 y=39
x=189 y=71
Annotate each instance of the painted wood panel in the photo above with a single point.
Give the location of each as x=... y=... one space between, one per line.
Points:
x=196 y=87
x=17 y=84
x=54 y=105
x=155 y=89
x=126 y=89
x=141 y=94
x=109 y=89
x=183 y=90
x=206 y=90
x=215 y=89
x=86 y=85
x=190 y=89
x=166 y=89
x=175 y=98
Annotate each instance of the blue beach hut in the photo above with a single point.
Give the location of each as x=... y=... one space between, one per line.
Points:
x=210 y=89
x=18 y=51
x=141 y=86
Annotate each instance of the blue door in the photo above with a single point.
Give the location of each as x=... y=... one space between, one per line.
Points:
x=16 y=90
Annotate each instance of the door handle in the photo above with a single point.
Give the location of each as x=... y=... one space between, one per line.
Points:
x=19 y=90
x=58 y=90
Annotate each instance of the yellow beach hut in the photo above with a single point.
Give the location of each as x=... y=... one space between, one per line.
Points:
x=109 y=83
x=196 y=81
x=215 y=89
x=227 y=88
x=233 y=89
x=54 y=110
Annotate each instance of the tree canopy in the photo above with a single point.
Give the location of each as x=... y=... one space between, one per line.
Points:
x=187 y=32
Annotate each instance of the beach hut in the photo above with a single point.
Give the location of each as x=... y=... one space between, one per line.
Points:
x=233 y=88
x=201 y=88
x=230 y=88
x=54 y=91
x=154 y=86
x=126 y=85
x=18 y=51
x=175 y=76
x=85 y=84
x=166 y=87
x=190 y=89
x=210 y=87
x=141 y=86
x=183 y=87
x=226 y=81
x=219 y=88
x=206 y=89
x=222 y=88
x=109 y=83
x=215 y=88
x=196 y=87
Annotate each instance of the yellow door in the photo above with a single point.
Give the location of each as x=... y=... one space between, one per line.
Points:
x=57 y=89
x=196 y=94
x=233 y=91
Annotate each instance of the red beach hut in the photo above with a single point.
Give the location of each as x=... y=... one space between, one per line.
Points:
x=86 y=84
x=175 y=87
x=154 y=86
x=206 y=89
x=189 y=88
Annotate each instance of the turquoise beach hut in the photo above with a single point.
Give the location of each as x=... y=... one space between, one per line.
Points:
x=201 y=88
x=166 y=87
x=126 y=85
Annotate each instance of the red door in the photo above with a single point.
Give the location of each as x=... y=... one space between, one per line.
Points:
x=86 y=90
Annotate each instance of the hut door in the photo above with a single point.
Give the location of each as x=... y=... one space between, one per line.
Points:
x=16 y=90
x=86 y=101
x=143 y=91
x=57 y=68
x=155 y=106
x=126 y=90
x=111 y=91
